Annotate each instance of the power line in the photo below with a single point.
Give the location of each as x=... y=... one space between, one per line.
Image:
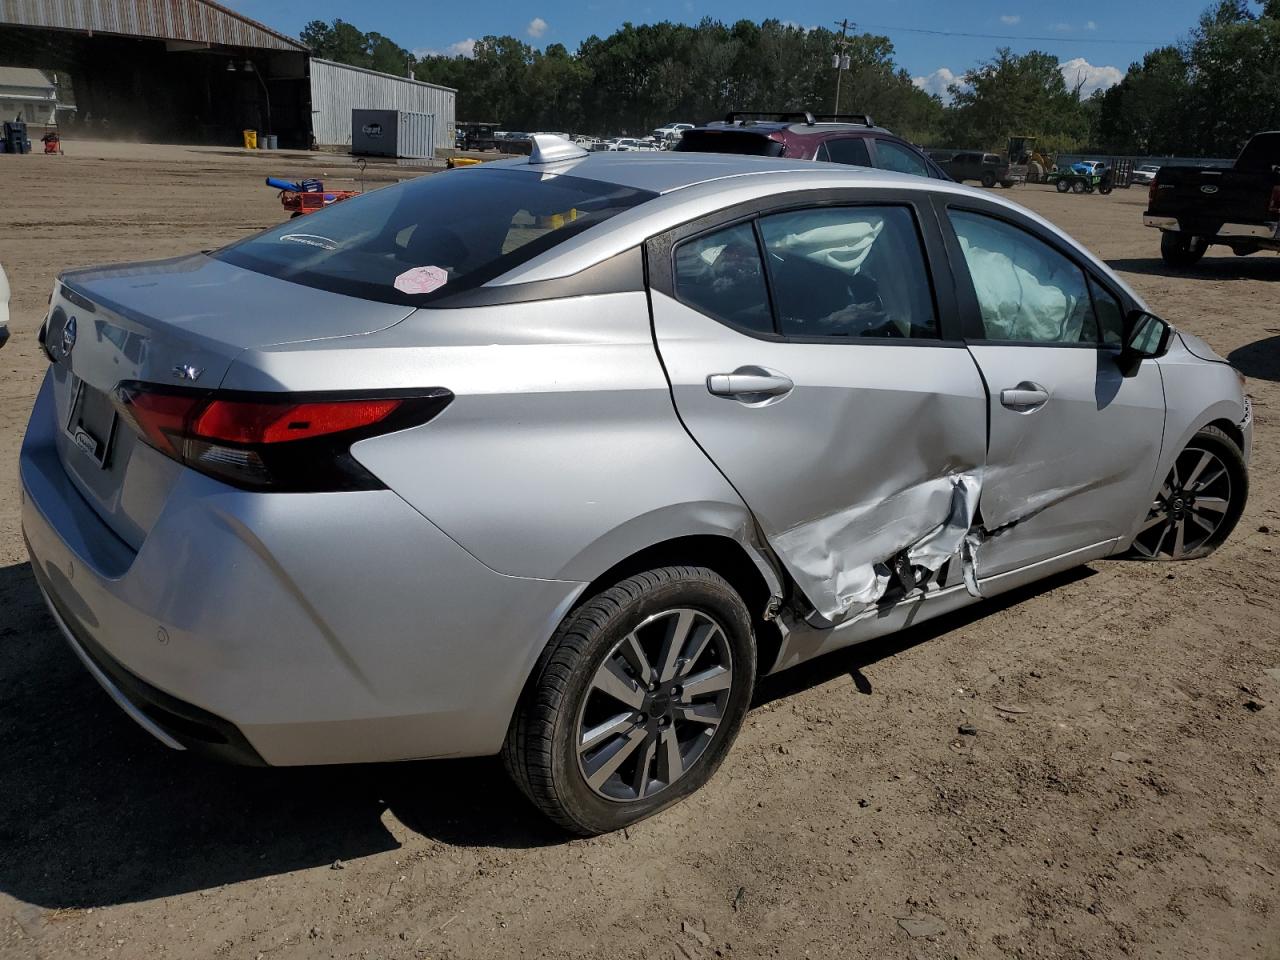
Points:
x=1004 y=36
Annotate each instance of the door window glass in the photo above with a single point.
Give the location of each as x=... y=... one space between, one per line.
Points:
x=1027 y=291
x=1110 y=315
x=852 y=151
x=720 y=274
x=893 y=156
x=849 y=272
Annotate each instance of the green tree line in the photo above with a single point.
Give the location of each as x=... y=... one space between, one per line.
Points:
x=1205 y=95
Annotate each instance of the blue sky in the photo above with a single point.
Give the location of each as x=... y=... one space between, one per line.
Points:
x=1097 y=42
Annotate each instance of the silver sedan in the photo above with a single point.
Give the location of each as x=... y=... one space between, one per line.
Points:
x=554 y=457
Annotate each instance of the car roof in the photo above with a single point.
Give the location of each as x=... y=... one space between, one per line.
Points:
x=692 y=185
x=793 y=128
x=666 y=171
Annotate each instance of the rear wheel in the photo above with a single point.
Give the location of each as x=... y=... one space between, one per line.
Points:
x=988 y=179
x=635 y=701
x=1181 y=250
x=1077 y=186
x=1064 y=185
x=1199 y=503
x=1006 y=184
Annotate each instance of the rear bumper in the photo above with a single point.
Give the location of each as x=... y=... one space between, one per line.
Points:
x=299 y=628
x=174 y=723
x=1253 y=231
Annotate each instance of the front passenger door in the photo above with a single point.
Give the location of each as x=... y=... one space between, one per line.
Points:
x=1073 y=441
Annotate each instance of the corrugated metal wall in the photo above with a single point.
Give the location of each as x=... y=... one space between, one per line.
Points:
x=200 y=21
x=337 y=89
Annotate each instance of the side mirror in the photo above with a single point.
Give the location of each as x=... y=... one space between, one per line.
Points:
x=1145 y=336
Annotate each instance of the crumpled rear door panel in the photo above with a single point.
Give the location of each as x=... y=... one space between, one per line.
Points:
x=877 y=450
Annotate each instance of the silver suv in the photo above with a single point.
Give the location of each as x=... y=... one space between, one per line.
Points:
x=554 y=457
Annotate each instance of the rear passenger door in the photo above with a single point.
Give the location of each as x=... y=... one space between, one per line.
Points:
x=1074 y=442
x=816 y=362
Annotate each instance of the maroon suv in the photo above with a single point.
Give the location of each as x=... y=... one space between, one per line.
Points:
x=837 y=138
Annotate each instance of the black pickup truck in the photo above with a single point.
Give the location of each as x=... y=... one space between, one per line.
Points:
x=1237 y=206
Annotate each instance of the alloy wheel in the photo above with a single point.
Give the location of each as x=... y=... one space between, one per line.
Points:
x=1190 y=507
x=654 y=705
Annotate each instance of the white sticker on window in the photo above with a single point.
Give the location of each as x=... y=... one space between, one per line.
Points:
x=311 y=240
x=421 y=280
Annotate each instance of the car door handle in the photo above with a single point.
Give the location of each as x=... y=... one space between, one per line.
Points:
x=749 y=384
x=1025 y=397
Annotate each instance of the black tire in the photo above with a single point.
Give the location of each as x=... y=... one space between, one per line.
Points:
x=1006 y=184
x=988 y=179
x=1181 y=250
x=540 y=750
x=1063 y=185
x=1077 y=186
x=1104 y=189
x=1157 y=542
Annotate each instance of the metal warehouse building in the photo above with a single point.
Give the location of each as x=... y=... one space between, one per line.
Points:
x=194 y=71
x=337 y=89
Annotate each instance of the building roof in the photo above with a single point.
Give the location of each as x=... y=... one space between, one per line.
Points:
x=26 y=77
x=194 y=21
x=379 y=73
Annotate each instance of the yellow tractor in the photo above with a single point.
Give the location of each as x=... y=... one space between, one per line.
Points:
x=1023 y=153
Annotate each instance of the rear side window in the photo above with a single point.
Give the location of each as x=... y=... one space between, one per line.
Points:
x=728 y=141
x=720 y=274
x=431 y=236
x=1027 y=291
x=893 y=156
x=852 y=151
x=849 y=272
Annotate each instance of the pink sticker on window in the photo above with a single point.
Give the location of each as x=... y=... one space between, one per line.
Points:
x=421 y=280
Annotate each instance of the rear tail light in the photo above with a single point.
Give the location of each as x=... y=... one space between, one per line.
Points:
x=293 y=442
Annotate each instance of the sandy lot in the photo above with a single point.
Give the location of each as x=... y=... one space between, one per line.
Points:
x=1132 y=809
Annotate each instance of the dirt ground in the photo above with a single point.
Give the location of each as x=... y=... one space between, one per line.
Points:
x=1127 y=805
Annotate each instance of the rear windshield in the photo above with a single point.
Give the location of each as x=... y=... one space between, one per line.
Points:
x=728 y=141
x=432 y=236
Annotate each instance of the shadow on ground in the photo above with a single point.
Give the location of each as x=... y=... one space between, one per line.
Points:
x=1259 y=360
x=94 y=812
x=1266 y=267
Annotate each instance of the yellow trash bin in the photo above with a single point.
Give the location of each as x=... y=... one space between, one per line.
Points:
x=251 y=139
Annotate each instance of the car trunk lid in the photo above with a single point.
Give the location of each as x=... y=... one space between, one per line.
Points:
x=179 y=322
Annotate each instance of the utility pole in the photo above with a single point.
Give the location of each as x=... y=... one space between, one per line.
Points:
x=840 y=59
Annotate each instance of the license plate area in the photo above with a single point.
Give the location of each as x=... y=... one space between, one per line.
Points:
x=92 y=423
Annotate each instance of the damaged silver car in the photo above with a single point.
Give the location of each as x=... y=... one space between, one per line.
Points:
x=554 y=457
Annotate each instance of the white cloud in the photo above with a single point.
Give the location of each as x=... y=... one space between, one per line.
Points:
x=1061 y=27
x=463 y=48
x=536 y=28
x=1090 y=25
x=936 y=83
x=1090 y=77
x=1011 y=18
